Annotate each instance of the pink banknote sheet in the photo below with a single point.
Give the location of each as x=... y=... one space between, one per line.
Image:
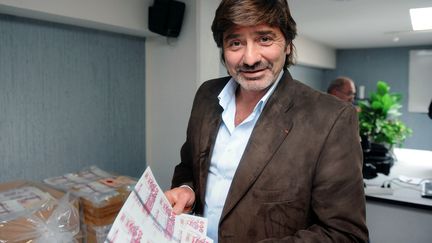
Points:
x=147 y=216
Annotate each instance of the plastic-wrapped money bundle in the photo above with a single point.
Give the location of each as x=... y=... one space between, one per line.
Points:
x=102 y=194
x=147 y=216
x=32 y=212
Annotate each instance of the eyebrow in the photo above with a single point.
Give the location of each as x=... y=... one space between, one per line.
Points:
x=258 y=32
x=266 y=32
x=231 y=36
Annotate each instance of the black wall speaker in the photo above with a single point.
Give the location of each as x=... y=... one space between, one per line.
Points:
x=166 y=17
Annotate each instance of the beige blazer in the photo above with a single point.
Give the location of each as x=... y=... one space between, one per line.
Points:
x=300 y=177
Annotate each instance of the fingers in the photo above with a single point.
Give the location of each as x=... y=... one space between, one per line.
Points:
x=181 y=198
x=179 y=207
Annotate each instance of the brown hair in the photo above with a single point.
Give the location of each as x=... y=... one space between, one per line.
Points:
x=275 y=13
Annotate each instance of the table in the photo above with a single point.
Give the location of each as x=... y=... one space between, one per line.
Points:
x=402 y=215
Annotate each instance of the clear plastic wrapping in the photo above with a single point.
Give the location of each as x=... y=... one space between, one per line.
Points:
x=102 y=193
x=31 y=212
x=88 y=184
x=97 y=234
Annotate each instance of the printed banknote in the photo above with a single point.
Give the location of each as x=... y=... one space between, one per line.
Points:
x=148 y=217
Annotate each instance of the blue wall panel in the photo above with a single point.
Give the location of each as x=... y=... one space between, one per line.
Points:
x=69 y=98
x=367 y=66
x=313 y=77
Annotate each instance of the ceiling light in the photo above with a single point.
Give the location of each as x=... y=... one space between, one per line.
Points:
x=421 y=18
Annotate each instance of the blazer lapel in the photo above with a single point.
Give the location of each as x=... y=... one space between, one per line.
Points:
x=270 y=131
x=212 y=128
x=209 y=130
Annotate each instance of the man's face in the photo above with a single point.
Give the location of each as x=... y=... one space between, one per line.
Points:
x=254 y=55
x=347 y=92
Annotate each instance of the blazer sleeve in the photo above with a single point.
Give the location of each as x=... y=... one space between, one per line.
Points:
x=184 y=171
x=338 y=201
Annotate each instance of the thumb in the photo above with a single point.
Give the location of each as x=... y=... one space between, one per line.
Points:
x=179 y=206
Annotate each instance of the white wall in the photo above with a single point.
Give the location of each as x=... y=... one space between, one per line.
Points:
x=122 y=16
x=314 y=54
x=171 y=68
x=209 y=65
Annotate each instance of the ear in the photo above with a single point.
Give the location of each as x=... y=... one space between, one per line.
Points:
x=288 y=48
x=222 y=56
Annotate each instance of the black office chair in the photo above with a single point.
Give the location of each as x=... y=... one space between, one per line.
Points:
x=376 y=159
x=430 y=110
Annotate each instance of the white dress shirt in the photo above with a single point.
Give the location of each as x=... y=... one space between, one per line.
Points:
x=228 y=150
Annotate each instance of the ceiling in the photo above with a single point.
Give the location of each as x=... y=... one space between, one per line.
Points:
x=347 y=24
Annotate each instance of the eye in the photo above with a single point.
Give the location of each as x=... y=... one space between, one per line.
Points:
x=234 y=44
x=266 y=40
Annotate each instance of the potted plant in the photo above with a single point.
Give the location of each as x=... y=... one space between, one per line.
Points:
x=380 y=128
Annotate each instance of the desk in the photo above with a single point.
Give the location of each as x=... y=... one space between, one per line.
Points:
x=403 y=216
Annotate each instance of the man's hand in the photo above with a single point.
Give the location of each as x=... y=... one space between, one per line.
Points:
x=181 y=198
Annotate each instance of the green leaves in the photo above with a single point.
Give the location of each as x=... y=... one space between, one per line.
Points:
x=378 y=117
x=382 y=87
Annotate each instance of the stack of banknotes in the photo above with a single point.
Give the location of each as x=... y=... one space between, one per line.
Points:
x=148 y=217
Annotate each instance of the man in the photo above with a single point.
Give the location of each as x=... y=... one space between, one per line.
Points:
x=267 y=158
x=343 y=88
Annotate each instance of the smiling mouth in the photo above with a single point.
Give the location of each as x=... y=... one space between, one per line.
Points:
x=253 y=74
x=253 y=71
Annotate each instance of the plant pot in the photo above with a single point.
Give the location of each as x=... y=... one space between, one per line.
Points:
x=377 y=158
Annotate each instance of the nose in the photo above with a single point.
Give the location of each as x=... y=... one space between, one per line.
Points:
x=252 y=55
